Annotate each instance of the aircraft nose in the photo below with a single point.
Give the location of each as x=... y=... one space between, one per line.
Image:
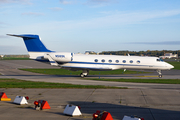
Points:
x=170 y=66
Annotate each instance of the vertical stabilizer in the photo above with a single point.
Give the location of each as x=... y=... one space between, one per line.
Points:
x=35 y=47
x=33 y=43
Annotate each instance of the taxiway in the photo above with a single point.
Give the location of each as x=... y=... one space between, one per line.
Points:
x=150 y=101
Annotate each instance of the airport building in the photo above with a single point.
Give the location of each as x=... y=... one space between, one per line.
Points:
x=90 y=52
x=169 y=55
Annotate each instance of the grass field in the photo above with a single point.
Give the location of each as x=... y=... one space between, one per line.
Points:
x=162 y=81
x=12 y=58
x=68 y=72
x=175 y=64
x=15 y=83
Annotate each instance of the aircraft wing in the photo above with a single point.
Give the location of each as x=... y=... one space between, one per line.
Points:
x=75 y=68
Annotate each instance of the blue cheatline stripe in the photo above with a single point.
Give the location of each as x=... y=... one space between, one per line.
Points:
x=52 y=62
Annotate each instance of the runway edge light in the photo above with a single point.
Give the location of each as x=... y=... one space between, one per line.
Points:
x=41 y=104
x=3 y=97
x=102 y=115
x=72 y=110
x=132 y=118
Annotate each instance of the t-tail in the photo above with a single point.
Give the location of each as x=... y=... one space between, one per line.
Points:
x=35 y=47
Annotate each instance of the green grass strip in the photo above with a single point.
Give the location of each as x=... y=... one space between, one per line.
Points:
x=11 y=58
x=162 y=81
x=175 y=64
x=16 y=83
x=68 y=72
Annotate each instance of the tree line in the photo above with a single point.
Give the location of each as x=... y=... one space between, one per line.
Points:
x=141 y=53
x=15 y=56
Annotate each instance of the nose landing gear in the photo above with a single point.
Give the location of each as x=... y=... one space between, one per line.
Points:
x=160 y=74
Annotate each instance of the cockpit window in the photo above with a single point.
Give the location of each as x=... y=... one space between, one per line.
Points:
x=160 y=60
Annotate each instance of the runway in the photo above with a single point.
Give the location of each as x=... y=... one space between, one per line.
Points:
x=150 y=101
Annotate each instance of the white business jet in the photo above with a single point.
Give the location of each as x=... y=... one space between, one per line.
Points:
x=71 y=61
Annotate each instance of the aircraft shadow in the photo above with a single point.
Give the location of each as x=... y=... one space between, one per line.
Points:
x=118 y=111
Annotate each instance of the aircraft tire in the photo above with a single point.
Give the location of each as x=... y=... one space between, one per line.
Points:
x=82 y=75
x=160 y=76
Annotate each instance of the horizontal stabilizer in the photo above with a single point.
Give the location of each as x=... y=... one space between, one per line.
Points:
x=22 y=36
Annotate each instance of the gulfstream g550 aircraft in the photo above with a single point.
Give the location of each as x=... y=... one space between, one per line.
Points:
x=71 y=61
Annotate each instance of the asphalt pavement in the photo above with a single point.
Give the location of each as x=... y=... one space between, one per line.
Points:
x=150 y=101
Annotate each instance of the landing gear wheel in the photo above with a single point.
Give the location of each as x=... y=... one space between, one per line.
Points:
x=82 y=75
x=160 y=76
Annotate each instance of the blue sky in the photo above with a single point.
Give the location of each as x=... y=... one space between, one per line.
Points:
x=95 y=25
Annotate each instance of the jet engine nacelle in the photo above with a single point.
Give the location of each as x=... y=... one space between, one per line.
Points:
x=60 y=56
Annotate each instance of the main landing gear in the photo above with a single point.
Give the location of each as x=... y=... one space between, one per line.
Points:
x=160 y=74
x=84 y=73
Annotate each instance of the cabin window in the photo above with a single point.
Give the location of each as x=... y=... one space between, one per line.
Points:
x=96 y=60
x=102 y=60
x=124 y=61
x=138 y=61
x=131 y=61
x=110 y=61
x=117 y=61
